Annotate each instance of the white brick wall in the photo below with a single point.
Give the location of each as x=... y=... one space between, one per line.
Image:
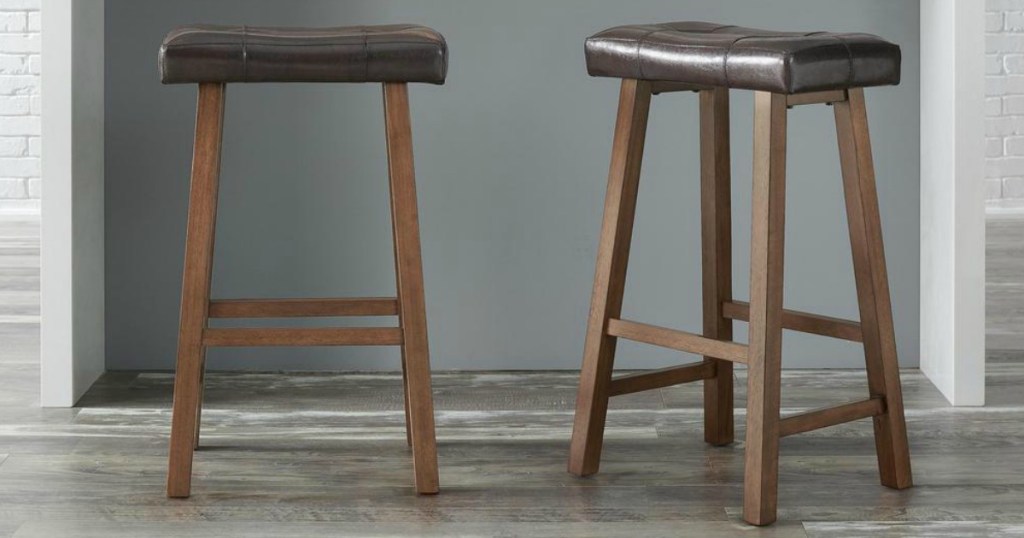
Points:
x=19 y=99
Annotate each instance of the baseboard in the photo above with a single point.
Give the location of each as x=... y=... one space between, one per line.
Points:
x=20 y=207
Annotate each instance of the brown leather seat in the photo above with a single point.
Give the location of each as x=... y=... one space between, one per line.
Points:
x=391 y=53
x=708 y=54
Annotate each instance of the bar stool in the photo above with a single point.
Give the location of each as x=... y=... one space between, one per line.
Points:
x=785 y=69
x=212 y=56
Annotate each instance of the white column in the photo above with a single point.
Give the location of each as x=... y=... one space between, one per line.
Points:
x=72 y=295
x=953 y=198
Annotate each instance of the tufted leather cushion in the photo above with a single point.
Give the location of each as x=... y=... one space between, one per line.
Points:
x=709 y=54
x=392 y=53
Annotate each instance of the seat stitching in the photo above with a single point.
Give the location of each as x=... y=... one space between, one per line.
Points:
x=669 y=45
x=776 y=51
x=849 y=55
x=728 y=50
x=185 y=46
x=725 y=57
x=639 y=56
x=720 y=28
x=785 y=36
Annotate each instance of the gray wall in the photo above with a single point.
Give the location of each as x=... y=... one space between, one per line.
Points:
x=512 y=156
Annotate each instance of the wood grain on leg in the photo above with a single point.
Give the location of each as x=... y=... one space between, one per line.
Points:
x=716 y=256
x=195 y=292
x=412 y=306
x=405 y=399
x=405 y=368
x=202 y=395
x=764 y=364
x=873 y=289
x=610 y=277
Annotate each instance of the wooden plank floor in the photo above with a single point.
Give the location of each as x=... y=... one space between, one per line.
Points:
x=324 y=454
x=1004 y=282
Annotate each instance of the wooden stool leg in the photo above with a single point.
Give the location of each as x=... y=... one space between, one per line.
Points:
x=766 y=269
x=195 y=292
x=716 y=242
x=873 y=289
x=412 y=308
x=610 y=278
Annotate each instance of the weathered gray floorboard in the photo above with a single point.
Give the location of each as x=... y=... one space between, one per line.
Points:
x=929 y=529
x=425 y=530
x=325 y=455
x=1004 y=282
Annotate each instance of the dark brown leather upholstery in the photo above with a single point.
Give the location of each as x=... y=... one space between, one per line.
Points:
x=708 y=54
x=392 y=53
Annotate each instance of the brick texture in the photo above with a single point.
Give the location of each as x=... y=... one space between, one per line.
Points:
x=20 y=143
x=1004 y=104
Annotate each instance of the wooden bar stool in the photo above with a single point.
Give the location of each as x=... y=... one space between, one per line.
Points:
x=212 y=56
x=785 y=70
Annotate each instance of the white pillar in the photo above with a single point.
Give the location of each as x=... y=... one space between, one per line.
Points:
x=953 y=198
x=72 y=351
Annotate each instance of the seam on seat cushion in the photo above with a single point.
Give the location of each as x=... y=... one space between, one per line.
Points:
x=776 y=51
x=289 y=45
x=639 y=47
x=849 y=55
x=672 y=45
x=189 y=45
x=725 y=61
x=728 y=51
